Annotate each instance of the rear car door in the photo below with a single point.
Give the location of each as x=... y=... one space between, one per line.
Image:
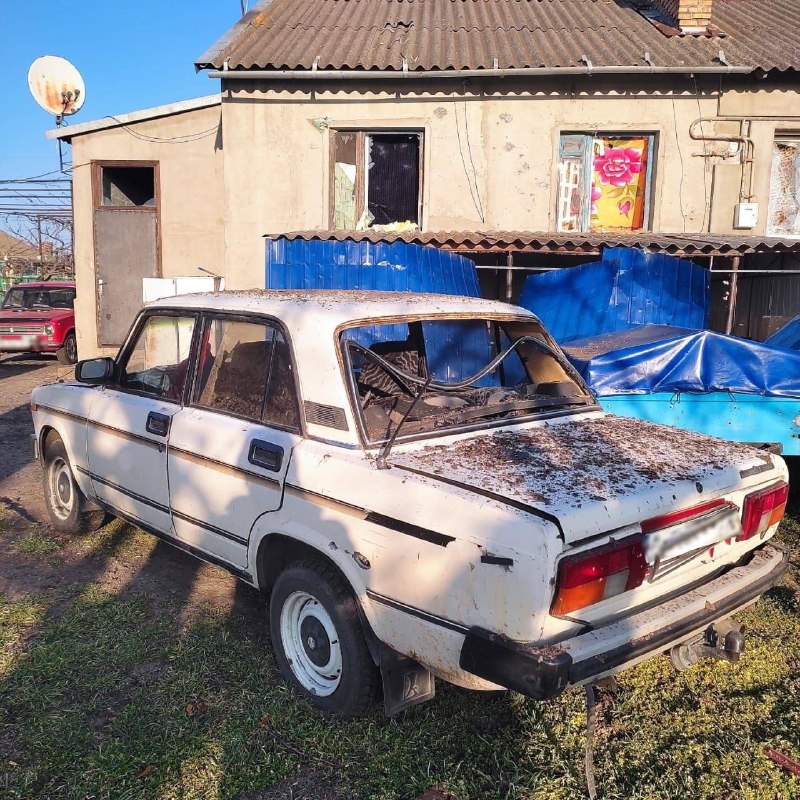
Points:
x=229 y=449
x=129 y=421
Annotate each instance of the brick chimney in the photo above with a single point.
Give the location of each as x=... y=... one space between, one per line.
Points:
x=691 y=16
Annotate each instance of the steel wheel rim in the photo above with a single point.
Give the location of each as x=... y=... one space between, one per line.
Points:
x=71 y=347
x=311 y=644
x=61 y=488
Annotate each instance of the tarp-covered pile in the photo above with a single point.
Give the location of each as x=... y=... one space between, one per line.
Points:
x=658 y=358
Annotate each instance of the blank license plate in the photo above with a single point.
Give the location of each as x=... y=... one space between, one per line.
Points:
x=693 y=535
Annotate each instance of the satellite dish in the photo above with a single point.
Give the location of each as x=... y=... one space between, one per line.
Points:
x=57 y=86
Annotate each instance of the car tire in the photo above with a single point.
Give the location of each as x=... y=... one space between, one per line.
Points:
x=318 y=640
x=65 y=502
x=68 y=352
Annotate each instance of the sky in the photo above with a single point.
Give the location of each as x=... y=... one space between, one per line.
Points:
x=132 y=54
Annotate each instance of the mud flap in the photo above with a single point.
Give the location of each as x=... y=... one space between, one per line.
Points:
x=405 y=682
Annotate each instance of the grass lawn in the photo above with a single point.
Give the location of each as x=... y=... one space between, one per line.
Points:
x=110 y=693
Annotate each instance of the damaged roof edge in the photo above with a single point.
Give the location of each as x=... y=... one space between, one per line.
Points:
x=68 y=131
x=213 y=56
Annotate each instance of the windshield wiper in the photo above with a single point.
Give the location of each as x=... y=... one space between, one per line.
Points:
x=519 y=405
x=380 y=462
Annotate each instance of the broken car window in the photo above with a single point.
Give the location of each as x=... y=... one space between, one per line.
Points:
x=476 y=370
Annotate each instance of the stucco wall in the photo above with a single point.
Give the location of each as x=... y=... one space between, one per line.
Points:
x=277 y=161
x=191 y=207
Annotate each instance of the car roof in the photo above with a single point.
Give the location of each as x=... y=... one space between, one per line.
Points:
x=339 y=306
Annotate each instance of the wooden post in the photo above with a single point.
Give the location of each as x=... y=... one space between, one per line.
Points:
x=734 y=290
x=509 y=277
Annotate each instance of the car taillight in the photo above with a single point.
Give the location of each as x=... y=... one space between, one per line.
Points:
x=762 y=510
x=687 y=514
x=596 y=575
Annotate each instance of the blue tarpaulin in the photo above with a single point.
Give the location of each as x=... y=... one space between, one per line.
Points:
x=628 y=288
x=658 y=358
x=788 y=337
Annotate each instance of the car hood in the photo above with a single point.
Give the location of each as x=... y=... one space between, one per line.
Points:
x=34 y=314
x=591 y=475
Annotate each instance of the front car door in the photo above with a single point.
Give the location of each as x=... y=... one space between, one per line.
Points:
x=129 y=421
x=229 y=449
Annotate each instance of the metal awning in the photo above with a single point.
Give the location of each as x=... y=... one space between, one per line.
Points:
x=563 y=243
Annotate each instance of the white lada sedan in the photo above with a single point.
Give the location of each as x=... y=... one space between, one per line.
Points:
x=421 y=485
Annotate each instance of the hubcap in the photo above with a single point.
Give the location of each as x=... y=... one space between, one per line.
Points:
x=311 y=644
x=62 y=493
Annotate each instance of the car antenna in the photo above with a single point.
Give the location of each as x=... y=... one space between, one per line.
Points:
x=380 y=462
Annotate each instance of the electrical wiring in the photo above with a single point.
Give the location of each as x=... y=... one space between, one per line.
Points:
x=184 y=139
x=680 y=156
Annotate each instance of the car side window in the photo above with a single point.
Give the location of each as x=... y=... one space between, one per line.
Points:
x=158 y=363
x=239 y=372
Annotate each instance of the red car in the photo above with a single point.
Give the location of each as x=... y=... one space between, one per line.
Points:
x=39 y=318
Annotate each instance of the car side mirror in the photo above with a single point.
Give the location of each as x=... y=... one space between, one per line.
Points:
x=95 y=371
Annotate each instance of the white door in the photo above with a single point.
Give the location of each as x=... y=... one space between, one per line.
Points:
x=230 y=448
x=129 y=421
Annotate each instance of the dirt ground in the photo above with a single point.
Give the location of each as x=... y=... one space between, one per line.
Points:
x=168 y=570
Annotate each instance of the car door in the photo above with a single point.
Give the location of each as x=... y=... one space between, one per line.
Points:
x=230 y=447
x=129 y=421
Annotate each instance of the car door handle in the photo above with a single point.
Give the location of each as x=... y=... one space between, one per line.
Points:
x=266 y=455
x=158 y=424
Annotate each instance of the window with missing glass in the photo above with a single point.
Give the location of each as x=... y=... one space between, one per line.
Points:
x=130 y=185
x=376 y=178
x=783 y=215
x=604 y=182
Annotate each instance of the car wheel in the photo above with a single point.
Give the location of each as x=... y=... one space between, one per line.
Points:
x=68 y=352
x=318 y=640
x=66 y=504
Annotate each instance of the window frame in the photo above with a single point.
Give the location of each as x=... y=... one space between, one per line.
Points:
x=362 y=183
x=97 y=184
x=343 y=355
x=780 y=136
x=128 y=345
x=206 y=317
x=650 y=177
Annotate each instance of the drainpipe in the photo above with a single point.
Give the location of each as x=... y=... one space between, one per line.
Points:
x=442 y=74
x=746 y=146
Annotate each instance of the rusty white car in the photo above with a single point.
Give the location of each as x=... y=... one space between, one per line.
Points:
x=420 y=485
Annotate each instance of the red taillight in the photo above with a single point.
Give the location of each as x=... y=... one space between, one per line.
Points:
x=762 y=510
x=674 y=517
x=596 y=575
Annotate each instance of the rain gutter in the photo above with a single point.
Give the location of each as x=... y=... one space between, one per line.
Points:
x=443 y=74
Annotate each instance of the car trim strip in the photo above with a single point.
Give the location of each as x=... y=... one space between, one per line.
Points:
x=110 y=428
x=383 y=521
x=165 y=509
x=506 y=501
x=127 y=492
x=221 y=465
x=203 y=555
x=442 y=622
x=211 y=528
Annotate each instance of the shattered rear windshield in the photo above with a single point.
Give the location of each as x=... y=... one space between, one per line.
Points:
x=433 y=374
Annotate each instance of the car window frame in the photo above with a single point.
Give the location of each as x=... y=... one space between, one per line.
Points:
x=130 y=342
x=208 y=315
x=345 y=365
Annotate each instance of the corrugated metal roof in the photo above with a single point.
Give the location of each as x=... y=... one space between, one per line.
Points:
x=548 y=242
x=471 y=34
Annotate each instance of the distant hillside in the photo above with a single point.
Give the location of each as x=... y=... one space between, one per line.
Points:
x=13 y=248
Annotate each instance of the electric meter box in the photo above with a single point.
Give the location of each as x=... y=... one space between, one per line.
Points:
x=745 y=216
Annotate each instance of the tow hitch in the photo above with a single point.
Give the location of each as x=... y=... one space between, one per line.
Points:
x=723 y=641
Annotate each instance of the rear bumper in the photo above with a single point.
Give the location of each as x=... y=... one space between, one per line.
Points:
x=545 y=672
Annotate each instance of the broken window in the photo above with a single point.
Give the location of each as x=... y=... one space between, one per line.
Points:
x=604 y=182
x=125 y=187
x=244 y=369
x=783 y=218
x=376 y=179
